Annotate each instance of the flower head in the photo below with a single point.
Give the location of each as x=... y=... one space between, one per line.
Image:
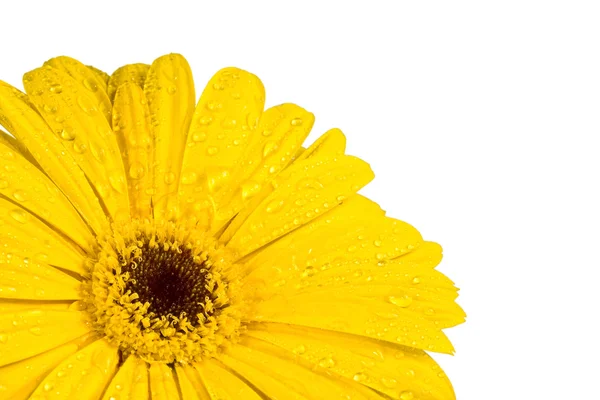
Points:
x=155 y=248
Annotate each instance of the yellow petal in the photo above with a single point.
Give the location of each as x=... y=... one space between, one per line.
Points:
x=303 y=192
x=341 y=312
x=356 y=230
x=19 y=379
x=169 y=88
x=12 y=305
x=82 y=376
x=132 y=127
x=74 y=115
x=30 y=332
x=130 y=382
x=162 y=383
x=23 y=121
x=102 y=76
x=133 y=73
x=214 y=382
x=18 y=147
x=287 y=126
x=331 y=144
x=279 y=374
x=186 y=387
x=389 y=368
x=30 y=189
x=24 y=278
x=28 y=236
x=95 y=85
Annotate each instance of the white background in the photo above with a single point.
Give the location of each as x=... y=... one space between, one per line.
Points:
x=481 y=120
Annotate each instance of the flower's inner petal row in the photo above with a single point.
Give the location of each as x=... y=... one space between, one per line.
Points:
x=72 y=111
x=281 y=131
x=131 y=123
x=169 y=88
x=394 y=370
x=18 y=380
x=99 y=360
x=281 y=374
x=27 y=333
x=30 y=189
x=163 y=385
x=303 y=192
x=224 y=123
x=28 y=236
x=130 y=382
x=29 y=279
x=186 y=387
x=212 y=381
x=24 y=122
x=102 y=77
x=88 y=79
x=132 y=73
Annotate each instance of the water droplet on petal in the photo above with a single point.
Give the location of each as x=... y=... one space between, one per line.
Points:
x=67 y=134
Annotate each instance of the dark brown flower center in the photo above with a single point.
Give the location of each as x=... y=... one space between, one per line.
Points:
x=171 y=281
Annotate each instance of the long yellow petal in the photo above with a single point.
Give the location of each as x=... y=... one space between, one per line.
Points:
x=72 y=112
x=133 y=73
x=131 y=123
x=303 y=192
x=331 y=144
x=162 y=383
x=18 y=380
x=24 y=278
x=186 y=387
x=102 y=76
x=30 y=332
x=13 y=305
x=28 y=236
x=82 y=376
x=281 y=375
x=95 y=85
x=370 y=317
x=169 y=88
x=130 y=382
x=20 y=118
x=30 y=189
x=391 y=369
x=219 y=384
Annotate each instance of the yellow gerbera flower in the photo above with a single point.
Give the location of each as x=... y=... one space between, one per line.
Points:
x=152 y=248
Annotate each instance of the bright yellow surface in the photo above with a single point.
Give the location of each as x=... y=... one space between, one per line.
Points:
x=320 y=295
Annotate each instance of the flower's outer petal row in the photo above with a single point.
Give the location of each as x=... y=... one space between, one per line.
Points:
x=28 y=279
x=19 y=379
x=28 y=236
x=213 y=382
x=163 y=385
x=18 y=147
x=280 y=374
x=102 y=76
x=187 y=389
x=82 y=376
x=130 y=381
x=356 y=230
x=133 y=73
x=388 y=368
x=169 y=88
x=281 y=131
x=302 y=192
x=26 y=333
x=88 y=79
x=30 y=189
x=73 y=113
x=20 y=118
x=131 y=123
